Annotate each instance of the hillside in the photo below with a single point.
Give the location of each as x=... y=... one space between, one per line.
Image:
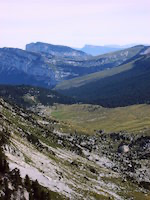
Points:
x=39 y=69
x=43 y=69
x=21 y=67
x=56 y=50
x=83 y=80
x=110 y=60
x=124 y=85
x=69 y=166
x=28 y=96
x=106 y=65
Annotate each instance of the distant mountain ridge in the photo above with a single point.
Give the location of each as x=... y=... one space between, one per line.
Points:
x=56 y=50
x=125 y=85
x=43 y=69
x=99 y=50
x=109 y=64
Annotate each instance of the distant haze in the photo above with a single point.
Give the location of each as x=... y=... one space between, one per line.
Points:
x=74 y=22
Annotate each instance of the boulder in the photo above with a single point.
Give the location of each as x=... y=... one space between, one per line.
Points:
x=123 y=149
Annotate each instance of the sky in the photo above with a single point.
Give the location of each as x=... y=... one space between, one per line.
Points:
x=74 y=22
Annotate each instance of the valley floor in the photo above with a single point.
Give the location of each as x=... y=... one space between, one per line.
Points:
x=88 y=117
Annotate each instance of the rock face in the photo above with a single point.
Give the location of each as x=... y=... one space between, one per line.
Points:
x=41 y=69
x=46 y=65
x=55 y=50
x=21 y=67
x=146 y=52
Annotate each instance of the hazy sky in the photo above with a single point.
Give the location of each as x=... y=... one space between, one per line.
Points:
x=74 y=22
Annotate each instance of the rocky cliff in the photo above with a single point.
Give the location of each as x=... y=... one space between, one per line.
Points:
x=56 y=50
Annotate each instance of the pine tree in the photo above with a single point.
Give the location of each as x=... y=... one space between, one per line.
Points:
x=27 y=183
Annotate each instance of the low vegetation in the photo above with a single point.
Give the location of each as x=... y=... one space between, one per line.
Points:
x=91 y=117
x=113 y=88
x=27 y=96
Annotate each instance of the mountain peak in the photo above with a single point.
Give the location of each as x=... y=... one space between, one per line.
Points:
x=55 y=50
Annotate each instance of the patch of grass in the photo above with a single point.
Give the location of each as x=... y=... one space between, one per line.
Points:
x=128 y=189
x=100 y=196
x=27 y=159
x=134 y=118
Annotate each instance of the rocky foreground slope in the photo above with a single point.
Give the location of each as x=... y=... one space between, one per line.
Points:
x=75 y=166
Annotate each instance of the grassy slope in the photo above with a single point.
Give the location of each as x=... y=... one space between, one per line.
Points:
x=132 y=51
x=110 y=57
x=126 y=88
x=77 y=82
x=89 y=117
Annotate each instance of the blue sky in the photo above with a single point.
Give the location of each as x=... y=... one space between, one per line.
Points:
x=74 y=22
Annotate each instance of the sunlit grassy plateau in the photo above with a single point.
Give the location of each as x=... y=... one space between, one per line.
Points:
x=134 y=118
